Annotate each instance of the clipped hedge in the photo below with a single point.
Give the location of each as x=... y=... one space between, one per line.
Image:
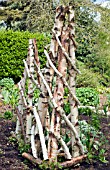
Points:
x=14 y=48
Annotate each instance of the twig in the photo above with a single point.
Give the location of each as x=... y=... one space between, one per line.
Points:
x=47 y=86
x=30 y=75
x=61 y=149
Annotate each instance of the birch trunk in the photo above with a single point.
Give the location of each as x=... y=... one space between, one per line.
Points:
x=30 y=91
x=18 y=125
x=55 y=120
x=33 y=146
x=41 y=135
x=20 y=103
x=59 y=90
x=72 y=81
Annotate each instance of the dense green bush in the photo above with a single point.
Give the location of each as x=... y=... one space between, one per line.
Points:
x=88 y=78
x=88 y=96
x=14 y=48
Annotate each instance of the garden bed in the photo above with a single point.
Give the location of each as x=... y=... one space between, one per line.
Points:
x=11 y=158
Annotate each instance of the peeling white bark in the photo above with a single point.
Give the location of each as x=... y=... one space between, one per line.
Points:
x=41 y=135
x=33 y=147
x=30 y=90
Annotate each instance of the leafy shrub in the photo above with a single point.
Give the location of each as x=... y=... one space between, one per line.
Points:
x=7 y=83
x=86 y=111
x=103 y=90
x=9 y=91
x=87 y=78
x=22 y=147
x=93 y=141
x=88 y=96
x=13 y=49
x=8 y=115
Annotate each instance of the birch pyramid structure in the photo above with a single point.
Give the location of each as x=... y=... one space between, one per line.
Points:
x=44 y=123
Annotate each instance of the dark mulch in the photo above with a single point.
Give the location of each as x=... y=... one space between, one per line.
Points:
x=10 y=159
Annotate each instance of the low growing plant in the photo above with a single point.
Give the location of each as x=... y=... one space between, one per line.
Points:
x=7 y=83
x=93 y=141
x=9 y=91
x=88 y=96
x=22 y=147
x=50 y=165
x=8 y=115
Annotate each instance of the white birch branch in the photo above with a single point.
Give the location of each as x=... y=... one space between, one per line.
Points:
x=22 y=94
x=65 y=53
x=27 y=70
x=33 y=147
x=61 y=149
x=64 y=146
x=68 y=116
x=61 y=76
x=61 y=111
x=41 y=135
x=46 y=84
x=30 y=75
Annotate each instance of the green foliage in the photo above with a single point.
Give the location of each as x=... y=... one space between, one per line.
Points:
x=88 y=78
x=50 y=165
x=22 y=147
x=86 y=31
x=66 y=138
x=36 y=95
x=88 y=96
x=8 y=115
x=102 y=155
x=108 y=100
x=85 y=111
x=13 y=50
x=67 y=108
x=9 y=91
x=12 y=139
x=7 y=83
x=93 y=141
x=102 y=60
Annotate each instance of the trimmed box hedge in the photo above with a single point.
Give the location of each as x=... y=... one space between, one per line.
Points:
x=14 y=48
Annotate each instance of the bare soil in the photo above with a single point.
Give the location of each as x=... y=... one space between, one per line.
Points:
x=10 y=158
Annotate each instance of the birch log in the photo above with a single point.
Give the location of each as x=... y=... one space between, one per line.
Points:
x=62 y=113
x=21 y=86
x=58 y=26
x=33 y=146
x=73 y=161
x=59 y=90
x=64 y=146
x=72 y=81
x=18 y=125
x=41 y=135
x=30 y=91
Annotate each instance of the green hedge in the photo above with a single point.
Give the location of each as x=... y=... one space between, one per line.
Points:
x=14 y=48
